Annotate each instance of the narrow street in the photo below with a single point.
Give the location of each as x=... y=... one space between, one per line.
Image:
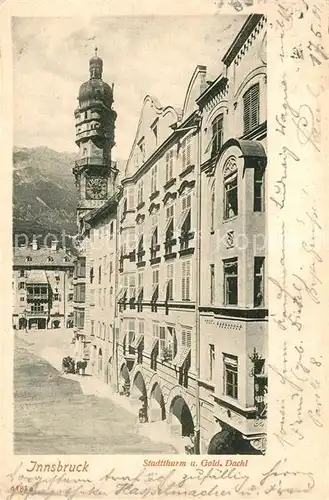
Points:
x=54 y=415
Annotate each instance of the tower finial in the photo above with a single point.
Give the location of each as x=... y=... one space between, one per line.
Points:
x=96 y=50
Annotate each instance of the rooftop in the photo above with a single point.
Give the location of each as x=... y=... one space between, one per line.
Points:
x=41 y=257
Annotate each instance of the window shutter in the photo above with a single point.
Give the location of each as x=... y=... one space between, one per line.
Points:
x=188 y=338
x=246 y=114
x=188 y=152
x=254 y=105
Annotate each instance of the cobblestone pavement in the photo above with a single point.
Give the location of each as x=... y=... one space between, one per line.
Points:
x=70 y=414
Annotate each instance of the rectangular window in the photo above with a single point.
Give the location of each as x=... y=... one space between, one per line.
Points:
x=230 y=364
x=154 y=242
x=169 y=225
x=231 y=196
x=104 y=297
x=155 y=277
x=111 y=230
x=185 y=221
x=22 y=273
x=259 y=281
x=217 y=135
x=211 y=361
x=186 y=152
x=100 y=272
x=231 y=282
x=81 y=267
x=154 y=173
x=140 y=192
x=212 y=283
x=170 y=282
x=92 y=296
x=111 y=296
x=131 y=198
x=251 y=108
x=186 y=337
x=141 y=327
x=186 y=280
x=162 y=339
x=169 y=165
x=140 y=281
x=21 y=286
x=92 y=328
x=141 y=146
x=132 y=286
x=259 y=195
x=155 y=133
x=131 y=331
x=212 y=210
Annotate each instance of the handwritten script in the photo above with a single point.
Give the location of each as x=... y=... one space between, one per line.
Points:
x=279 y=479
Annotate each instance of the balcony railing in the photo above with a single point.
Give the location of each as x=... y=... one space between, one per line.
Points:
x=37 y=313
x=43 y=296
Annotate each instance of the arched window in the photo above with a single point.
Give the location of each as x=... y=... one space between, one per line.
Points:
x=217 y=135
x=230 y=174
x=251 y=108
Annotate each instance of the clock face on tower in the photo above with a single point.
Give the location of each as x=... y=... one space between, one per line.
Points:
x=96 y=188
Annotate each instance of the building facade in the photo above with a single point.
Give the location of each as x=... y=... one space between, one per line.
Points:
x=175 y=299
x=42 y=287
x=233 y=306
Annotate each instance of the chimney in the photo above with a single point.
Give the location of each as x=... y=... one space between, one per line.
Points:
x=34 y=243
x=54 y=244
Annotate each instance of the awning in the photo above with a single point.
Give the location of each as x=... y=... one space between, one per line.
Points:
x=181 y=356
x=155 y=342
x=37 y=276
x=137 y=341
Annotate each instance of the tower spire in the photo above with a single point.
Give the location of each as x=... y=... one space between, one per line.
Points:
x=96 y=50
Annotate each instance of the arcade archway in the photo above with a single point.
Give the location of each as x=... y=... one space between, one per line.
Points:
x=100 y=361
x=157 y=405
x=124 y=381
x=139 y=396
x=181 y=417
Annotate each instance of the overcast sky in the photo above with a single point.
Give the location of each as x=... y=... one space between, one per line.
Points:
x=142 y=55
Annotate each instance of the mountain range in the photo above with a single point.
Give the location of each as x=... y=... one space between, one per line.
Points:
x=44 y=193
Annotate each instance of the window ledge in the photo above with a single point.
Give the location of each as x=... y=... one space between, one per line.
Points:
x=229 y=402
x=154 y=195
x=230 y=219
x=169 y=183
x=156 y=260
x=186 y=171
x=186 y=251
x=169 y=256
x=140 y=205
x=141 y=264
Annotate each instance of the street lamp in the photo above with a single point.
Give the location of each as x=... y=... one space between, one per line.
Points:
x=197 y=128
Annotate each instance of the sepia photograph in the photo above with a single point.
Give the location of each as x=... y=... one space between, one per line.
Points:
x=140 y=291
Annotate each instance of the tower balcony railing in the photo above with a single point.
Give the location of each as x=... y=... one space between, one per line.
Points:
x=94 y=160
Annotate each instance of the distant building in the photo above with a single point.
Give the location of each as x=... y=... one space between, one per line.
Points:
x=42 y=287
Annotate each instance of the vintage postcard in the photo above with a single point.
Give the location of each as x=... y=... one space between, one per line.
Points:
x=165 y=235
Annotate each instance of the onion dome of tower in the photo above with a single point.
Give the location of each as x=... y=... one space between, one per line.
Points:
x=95 y=90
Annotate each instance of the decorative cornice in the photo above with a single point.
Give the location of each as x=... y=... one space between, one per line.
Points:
x=169 y=196
x=186 y=184
x=243 y=35
x=154 y=207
